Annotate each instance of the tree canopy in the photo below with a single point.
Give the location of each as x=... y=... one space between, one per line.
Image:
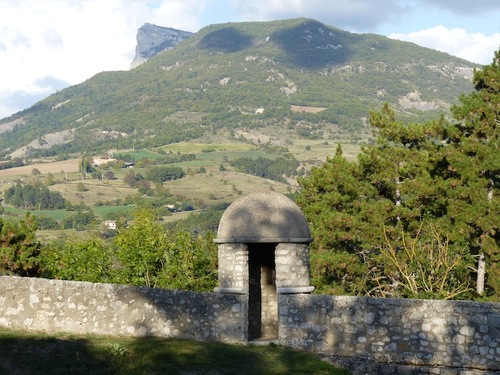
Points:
x=33 y=197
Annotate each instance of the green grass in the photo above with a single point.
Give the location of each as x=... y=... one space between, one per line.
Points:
x=139 y=154
x=102 y=211
x=37 y=353
x=53 y=214
x=193 y=147
x=215 y=158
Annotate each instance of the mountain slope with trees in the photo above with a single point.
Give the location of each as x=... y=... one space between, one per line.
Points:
x=298 y=76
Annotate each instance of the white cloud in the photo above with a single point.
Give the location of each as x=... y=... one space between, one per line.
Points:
x=67 y=40
x=465 y=7
x=179 y=14
x=73 y=40
x=354 y=15
x=475 y=47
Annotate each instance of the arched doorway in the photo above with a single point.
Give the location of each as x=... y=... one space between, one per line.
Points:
x=262 y=292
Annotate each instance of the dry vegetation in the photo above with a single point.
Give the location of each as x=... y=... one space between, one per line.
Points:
x=95 y=190
x=70 y=166
x=302 y=108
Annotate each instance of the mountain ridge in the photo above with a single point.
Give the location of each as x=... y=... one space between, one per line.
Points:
x=248 y=75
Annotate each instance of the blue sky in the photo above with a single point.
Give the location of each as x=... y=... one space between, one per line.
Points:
x=46 y=45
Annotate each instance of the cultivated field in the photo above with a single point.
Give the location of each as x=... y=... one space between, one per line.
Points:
x=69 y=166
x=204 y=185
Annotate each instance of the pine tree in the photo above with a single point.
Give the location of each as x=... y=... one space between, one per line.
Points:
x=19 y=251
x=329 y=200
x=473 y=156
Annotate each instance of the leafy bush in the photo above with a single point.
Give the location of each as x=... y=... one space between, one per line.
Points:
x=19 y=250
x=151 y=256
x=81 y=187
x=81 y=220
x=47 y=223
x=88 y=259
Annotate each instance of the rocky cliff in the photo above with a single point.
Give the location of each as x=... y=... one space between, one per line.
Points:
x=153 y=39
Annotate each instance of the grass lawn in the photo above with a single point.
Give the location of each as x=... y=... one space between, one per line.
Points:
x=37 y=353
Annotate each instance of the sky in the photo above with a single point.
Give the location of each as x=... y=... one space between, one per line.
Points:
x=47 y=45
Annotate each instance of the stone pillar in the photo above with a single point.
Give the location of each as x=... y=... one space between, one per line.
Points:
x=233 y=268
x=293 y=268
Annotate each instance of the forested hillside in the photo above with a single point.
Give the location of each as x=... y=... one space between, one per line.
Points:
x=292 y=77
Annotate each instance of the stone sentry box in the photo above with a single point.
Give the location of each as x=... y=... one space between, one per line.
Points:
x=263 y=249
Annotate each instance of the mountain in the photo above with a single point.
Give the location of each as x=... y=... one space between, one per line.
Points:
x=290 y=78
x=153 y=39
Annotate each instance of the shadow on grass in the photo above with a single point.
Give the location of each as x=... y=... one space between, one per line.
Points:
x=46 y=355
x=29 y=353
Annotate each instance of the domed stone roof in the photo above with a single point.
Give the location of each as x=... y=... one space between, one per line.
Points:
x=263 y=217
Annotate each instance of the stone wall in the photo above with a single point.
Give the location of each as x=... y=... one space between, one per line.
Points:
x=456 y=334
x=370 y=335
x=80 y=307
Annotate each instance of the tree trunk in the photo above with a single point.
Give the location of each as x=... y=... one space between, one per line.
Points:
x=481 y=266
x=398 y=195
x=481 y=271
x=491 y=185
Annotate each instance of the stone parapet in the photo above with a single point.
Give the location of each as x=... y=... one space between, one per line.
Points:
x=81 y=307
x=454 y=334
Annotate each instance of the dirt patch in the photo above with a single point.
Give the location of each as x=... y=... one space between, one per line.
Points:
x=259 y=138
x=413 y=100
x=301 y=108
